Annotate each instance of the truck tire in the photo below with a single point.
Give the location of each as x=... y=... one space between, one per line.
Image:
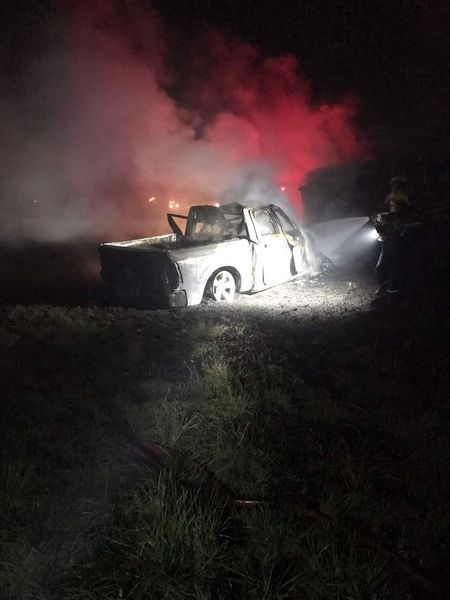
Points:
x=222 y=286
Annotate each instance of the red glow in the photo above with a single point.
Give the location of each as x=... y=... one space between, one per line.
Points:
x=243 y=130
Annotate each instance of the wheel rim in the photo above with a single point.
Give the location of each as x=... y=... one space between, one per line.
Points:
x=223 y=287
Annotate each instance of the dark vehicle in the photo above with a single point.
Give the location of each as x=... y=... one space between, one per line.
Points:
x=222 y=250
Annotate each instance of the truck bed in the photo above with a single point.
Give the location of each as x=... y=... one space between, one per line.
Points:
x=162 y=242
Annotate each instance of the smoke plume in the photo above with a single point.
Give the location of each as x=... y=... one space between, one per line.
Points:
x=143 y=124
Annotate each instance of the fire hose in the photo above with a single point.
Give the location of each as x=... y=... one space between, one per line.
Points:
x=157 y=457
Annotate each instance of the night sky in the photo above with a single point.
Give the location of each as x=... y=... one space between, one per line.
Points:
x=394 y=55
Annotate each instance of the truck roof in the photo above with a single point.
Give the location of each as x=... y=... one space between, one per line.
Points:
x=237 y=208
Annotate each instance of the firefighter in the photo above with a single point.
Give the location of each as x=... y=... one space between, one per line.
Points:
x=391 y=222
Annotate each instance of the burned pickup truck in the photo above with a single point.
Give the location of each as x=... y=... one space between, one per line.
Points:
x=218 y=252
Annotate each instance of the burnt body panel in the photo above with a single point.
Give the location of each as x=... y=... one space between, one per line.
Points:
x=143 y=273
x=198 y=264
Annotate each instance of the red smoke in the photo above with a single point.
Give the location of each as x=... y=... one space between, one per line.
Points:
x=238 y=128
x=265 y=112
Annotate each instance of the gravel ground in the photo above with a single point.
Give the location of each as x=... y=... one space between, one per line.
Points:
x=332 y=294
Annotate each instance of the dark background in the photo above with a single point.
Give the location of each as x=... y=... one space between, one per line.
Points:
x=393 y=56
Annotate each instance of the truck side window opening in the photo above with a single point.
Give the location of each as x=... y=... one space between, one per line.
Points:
x=264 y=223
x=287 y=225
x=204 y=227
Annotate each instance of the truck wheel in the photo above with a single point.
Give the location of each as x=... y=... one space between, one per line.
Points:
x=223 y=286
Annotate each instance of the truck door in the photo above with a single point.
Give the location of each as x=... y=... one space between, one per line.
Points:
x=295 y=241
x=274 y=254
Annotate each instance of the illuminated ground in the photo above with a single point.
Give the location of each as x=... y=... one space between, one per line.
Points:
x=333 y=293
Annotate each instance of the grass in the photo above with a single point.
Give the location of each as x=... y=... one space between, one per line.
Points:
x=348 y=416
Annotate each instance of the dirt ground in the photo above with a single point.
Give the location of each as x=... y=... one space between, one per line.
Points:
x=337 y=292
